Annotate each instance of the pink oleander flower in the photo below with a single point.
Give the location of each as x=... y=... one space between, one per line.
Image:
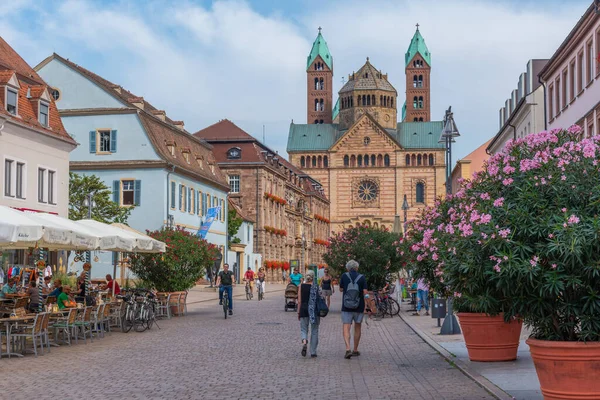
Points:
x=507 y=181
x=497 y=268
x=484 y=196
x=553 y=266
x=573 y=219
x=485 y=218
x=563 y=209
x=457 y=294
x=499 y=202
x=504 y=233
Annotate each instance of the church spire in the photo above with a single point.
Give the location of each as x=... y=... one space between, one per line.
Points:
x=417 y=45
x=319 y=48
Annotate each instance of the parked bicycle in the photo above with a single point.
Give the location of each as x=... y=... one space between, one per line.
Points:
x=138 y=310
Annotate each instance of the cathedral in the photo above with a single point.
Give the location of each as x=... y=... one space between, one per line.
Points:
x=370 y=164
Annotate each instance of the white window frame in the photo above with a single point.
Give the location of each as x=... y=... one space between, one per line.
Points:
x=47 y=105
x=98 y=140
x=122 y=194
x=23 y=180
x=45 y=199
x=233 y=179
x=16 y=91
x=12 y=194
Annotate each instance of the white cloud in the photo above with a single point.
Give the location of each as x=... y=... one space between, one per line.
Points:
x=227 y=60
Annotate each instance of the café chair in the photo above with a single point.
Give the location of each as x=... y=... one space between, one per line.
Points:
x=33 y=331
x=66 y=325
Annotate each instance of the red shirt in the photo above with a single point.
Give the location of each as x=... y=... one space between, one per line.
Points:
x=110 y=284
x=249 y=275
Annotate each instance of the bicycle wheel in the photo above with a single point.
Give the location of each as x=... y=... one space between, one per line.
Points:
x=151 y=318
x=127 y=319
x=381 y=309
x=225 y=304
x=393 y=308
x=247 y=294
x=140 y=319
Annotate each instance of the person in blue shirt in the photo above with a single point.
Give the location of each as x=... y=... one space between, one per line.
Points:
x=9 y=288
x=296 y=277
x=57 y=288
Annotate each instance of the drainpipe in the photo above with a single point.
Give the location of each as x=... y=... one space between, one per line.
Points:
x=169 y=193
x=545 y=110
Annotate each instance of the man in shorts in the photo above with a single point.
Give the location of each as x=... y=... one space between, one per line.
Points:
x=350 y=282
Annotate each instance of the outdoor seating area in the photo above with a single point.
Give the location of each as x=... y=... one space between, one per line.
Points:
x=35 y=316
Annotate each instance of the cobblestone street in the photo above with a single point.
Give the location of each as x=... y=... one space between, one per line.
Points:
x=253 y=355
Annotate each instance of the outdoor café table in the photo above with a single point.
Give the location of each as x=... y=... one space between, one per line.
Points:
x=7 y=324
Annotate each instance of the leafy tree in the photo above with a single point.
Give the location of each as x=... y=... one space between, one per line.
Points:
x=185 y=261
x=373 y=248
x=104 y=210
x=234 y=221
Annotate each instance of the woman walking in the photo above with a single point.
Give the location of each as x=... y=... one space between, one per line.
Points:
x=308 y=314
x=327 y=287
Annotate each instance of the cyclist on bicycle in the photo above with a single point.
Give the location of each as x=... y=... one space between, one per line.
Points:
x=225 y=281
x=249 y=277
x=260 y=277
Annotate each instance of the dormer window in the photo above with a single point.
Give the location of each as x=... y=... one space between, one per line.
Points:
x=186 y=154
x=43 y=117
x=171 y=147
x=11 y=101
x=234 y=153
x=200 y=162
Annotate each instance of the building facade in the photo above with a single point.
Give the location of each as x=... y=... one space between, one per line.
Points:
x=571 y=77
x=241 y=247
x=468 y=165
x=151 y=162
x=367 y=161
x=34 y=145
x=290 y=210
x=523 y=113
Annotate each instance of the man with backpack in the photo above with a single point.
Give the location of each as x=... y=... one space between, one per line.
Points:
x=354 y=292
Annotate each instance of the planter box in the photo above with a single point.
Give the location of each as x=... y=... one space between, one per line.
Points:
x=490 y=338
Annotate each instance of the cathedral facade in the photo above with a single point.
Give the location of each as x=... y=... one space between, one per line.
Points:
x=367 y=158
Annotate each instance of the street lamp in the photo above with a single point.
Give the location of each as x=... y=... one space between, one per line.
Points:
x=405 y=209
x=449 y=132
x=90 y=204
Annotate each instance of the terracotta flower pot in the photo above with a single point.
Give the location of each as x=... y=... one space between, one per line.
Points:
x=567 y=370
x=490 y=338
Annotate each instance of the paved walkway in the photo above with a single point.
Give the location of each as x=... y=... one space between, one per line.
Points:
x=204 y=293
x=517 y=378
x=253 y=355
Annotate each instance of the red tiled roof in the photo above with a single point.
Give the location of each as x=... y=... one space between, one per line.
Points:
x=29 y=81
x=223 y=130
x=240 y=212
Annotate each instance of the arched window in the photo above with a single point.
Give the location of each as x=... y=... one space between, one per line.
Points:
x=358 y=101
x=320 y=121
x=380 y=160
x=321 y=84
x=316 y=104
x=415 y=102
x=391 y=102
x=346 y=161
x=359 y=160
x=420 y=193
x=420 y=119
x=314 y=161
x=316 y=121
x=386 y=160
x=424 y=159
x=373 y=99
x=353 y=161
x=407 y=159
x=420 y=81
x=325 y=162
x=415 y=81
x=302 y=162
x=413 y=160
x=368 y=100
x=321 y=105
x=381 y=102
x=431 y=161
x=366 y=160
x=419 y=159
x=316 y=83
x=351 y=101
x=416 y=119
x=315 y=66
x=373 y=158
x=320 y=162
x=420 y=101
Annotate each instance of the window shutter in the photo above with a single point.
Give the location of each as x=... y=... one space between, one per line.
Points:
x=189 y=201
x=180 y=196
x=197 y=202
x=116 y=190
x=172 y=195
x=137 y=192
x=113 y=141
x=92 y=141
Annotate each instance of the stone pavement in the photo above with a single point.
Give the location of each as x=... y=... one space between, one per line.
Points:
x=253 y=355
x=517 y=379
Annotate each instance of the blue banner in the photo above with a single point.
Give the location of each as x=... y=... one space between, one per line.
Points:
x=211 y=214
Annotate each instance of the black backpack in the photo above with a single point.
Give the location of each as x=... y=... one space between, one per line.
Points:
x=352 y=293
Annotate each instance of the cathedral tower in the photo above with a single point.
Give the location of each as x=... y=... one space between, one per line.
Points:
x=319 y=83
x=418 y=83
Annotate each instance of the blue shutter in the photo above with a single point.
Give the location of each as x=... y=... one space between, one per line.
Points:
x=180 y=196
x=92 y=141
x=189 y=199
x=137 y=192
x=172 y=194
x=197 y=202
x=116 y=190
x=113 y=141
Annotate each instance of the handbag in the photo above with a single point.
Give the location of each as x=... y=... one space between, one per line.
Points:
x=322 y=308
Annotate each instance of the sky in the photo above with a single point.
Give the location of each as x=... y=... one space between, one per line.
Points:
x=203 y=61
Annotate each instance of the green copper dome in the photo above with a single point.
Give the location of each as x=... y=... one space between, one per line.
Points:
x=417 y=45
x=319 y=48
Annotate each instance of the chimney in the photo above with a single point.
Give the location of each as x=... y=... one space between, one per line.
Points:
x=137 y=101
x=161 y=114
x=179 y=124
x=117 y=88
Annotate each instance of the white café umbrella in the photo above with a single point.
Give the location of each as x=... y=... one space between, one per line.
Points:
x=19 y=230
x=157 y=245
x=115 y=239
x=80 y=237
